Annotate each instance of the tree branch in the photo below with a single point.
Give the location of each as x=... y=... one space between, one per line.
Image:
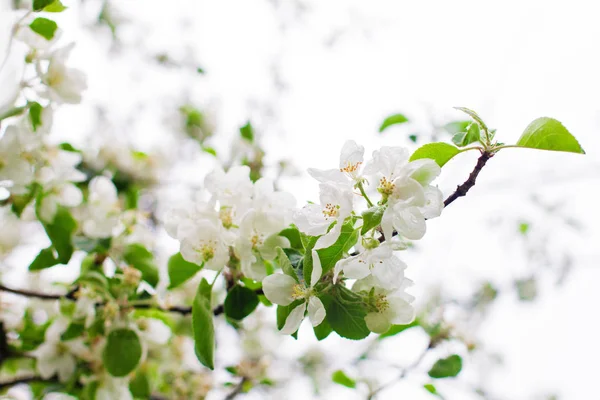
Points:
x=25 y=379
x=237 y=390
x=470 y=182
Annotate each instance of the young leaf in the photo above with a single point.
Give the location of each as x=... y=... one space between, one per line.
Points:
x=38 y=5
x=202 y=324
x=240 y=302
x=341 y=378
x=140 y=386
x=322 y=330
x=331 y=255
x=392 y=120
x=44 y=27
x=371 y=218
x=346 y=314
x=35 y=114
x=396 y=329
x=180 y=270
x=73 y=330
x=45 y=259
x=293 y=235
x=456 y=126
x=285 y=264
x=141 y=259
x=446 y=367
x=473 y=115
x=472 y=135
x=549 y=134
x=60 y=232
x=55 y=7
x=122 y=352
x=440 y=152
x=283 y=312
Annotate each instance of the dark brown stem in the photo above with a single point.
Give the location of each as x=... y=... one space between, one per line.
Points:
x=31 y=293
x=24 y=379
x=469 y=183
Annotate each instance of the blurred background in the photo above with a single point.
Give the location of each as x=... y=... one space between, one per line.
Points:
x=513 y=265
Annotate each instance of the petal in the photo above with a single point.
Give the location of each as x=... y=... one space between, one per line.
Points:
x=316 y=310
x=389 y=273
x=310 y=220
x=423 y=171
x=410 y=223
x=317 y=269
x=330 y=237
x=293 y=321
x=352 y=153
x=356 y=268
x=434 y=202
x=400 y=312
x=328 y=175
x=70 y=195
x=65 y=367
x=387 y=223
x=278 y=288
x=377 y=322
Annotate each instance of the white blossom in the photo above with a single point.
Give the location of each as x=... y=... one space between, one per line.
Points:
x=65 y=84
x=315 y=219
x=380 y=262
x=284 y=290
x=102 y=208
x=351 y=160
x=113 y=388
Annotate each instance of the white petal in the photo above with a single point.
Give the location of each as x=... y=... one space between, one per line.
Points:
x=328 y=175
x=400 y=312
x=387 y=223
x=317 y=270
x=410 y=223
x=278 y=288
x=310 y=220
x=389 y=273
x=293 y=321
x=434 y=202
x=356 y=268
x=423 y=171
x=70 y=195
x=330 y=237
x=352 y=153
x=377 y=322
x=316 y=310
x=65 y=367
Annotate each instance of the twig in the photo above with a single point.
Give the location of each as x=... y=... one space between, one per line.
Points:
x=25 y=379
x=183 y=310
x=403 y=374
x=470 y=182
x=237 y=390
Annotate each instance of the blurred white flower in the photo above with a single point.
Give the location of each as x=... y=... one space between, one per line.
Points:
x=113 y=388
x=102 y=208
x=65 y=85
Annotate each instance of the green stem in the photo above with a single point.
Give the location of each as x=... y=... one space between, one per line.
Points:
x=364 y=194
x=12 y=112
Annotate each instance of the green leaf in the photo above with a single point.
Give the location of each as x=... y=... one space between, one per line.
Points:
x=440 y=152
x=371 y=218
x=180 y=270
x=473 y=115
x=60 y=232
x=55 y=7
x=38 y=5
x=446 y=367
x=209 y=150
x=74 y=330
x=35 y=114
x=549 y=134
x=396 y=329
x=122 y=352
x=341 y=378
x=202 y=324
x=293 y=235
x=322 y=330
x=285 y=264
x=334 y=253
x=45 y=259
x=141 y=259
x=346 y=313
x=455 y=127
x=392 y=120
x=44 y=27
x=240 y=302
x=140 y=386
x=413 y=138
x=473 y=134
x=247 y=132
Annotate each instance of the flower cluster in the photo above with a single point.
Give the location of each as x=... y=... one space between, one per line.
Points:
x=240 y=222
x=407 y=199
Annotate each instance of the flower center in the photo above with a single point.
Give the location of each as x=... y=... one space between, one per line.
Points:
x=351 y=168
x=226 y=216
x=381 y=303
x=331 y=210
x=300 y=291
x=207 y=249
x=256 y=240
x=386 y=187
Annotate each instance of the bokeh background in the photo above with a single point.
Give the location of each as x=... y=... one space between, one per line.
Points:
x=312 y=74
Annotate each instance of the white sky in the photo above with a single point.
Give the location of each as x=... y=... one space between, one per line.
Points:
x=512 y=61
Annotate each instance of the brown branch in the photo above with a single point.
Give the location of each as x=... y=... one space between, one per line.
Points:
x=237 y=390
x=470 y=182
x=25 y=379
x=183 y=310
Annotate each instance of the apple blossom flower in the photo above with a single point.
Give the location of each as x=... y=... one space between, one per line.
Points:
x=284 y=290
x=315 y=219
x=102 y=208
x=351 y=160
x=65 y=85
